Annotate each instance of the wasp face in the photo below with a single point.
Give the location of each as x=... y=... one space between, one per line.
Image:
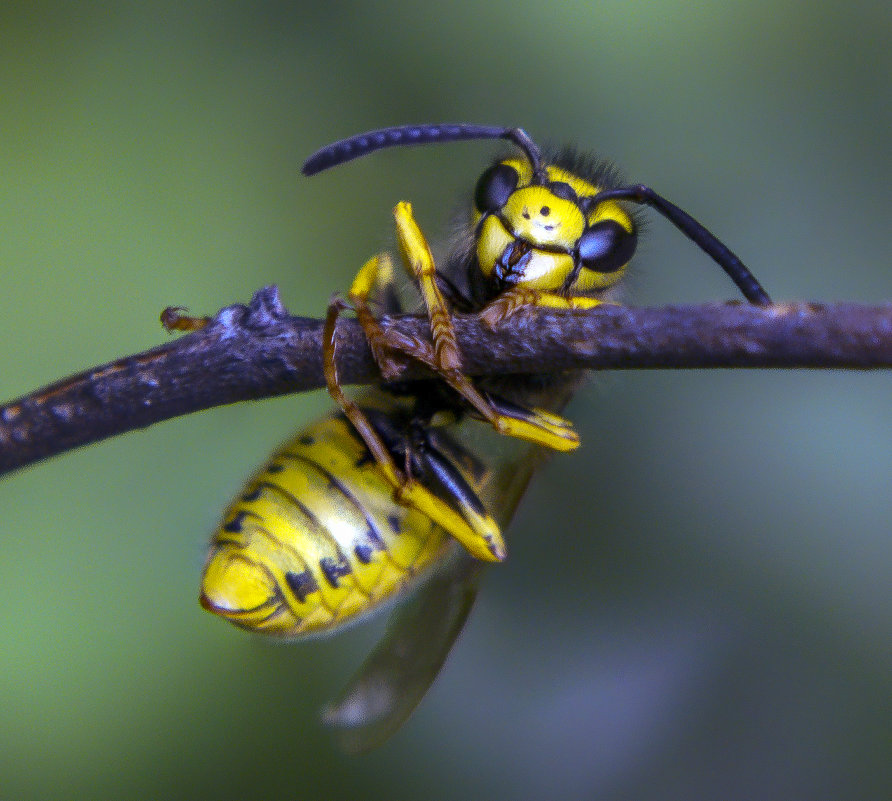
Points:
x=547 y=232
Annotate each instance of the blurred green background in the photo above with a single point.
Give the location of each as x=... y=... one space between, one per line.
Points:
x=697 y=602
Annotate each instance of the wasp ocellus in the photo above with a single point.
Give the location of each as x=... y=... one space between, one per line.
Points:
x=399 y=488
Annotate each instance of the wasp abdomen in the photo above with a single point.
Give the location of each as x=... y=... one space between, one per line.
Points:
x=316 y=539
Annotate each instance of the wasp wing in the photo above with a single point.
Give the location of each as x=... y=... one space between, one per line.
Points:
x=421 y=632
x=401 y=668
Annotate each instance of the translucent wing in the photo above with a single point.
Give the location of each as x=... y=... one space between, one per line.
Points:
x=401 y=668
x=421 y=632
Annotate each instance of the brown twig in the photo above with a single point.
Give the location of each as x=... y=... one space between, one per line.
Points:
x=259 y=350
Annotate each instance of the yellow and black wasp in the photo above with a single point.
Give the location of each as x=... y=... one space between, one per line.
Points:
x=393 y=491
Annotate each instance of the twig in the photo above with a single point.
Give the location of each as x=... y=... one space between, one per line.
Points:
x=259 y=350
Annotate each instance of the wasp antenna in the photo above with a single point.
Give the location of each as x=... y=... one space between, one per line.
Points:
x=402 y=135
x=522 y=139
x=701 y=236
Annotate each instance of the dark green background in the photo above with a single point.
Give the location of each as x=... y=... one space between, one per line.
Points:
x=697 y=602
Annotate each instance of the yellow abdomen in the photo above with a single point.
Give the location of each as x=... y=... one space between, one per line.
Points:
x=316 y=539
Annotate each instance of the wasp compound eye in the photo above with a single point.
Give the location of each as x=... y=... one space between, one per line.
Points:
x=606 y=247
x=562 y=190
x=495 y=187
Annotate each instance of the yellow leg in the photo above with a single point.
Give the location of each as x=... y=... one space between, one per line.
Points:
x=478 y=533
x=538 y=427
x=377 y=274
x=419 y=263
x=506 y=304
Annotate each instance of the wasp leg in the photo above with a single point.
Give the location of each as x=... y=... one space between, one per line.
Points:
x=536 y=425
x=533 y=426
x=472 y=527
x=173 y=320
x=419 y=263
x=505 y=305
x=376 y=275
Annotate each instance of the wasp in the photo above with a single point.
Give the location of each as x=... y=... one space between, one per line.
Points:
x=398 y=490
